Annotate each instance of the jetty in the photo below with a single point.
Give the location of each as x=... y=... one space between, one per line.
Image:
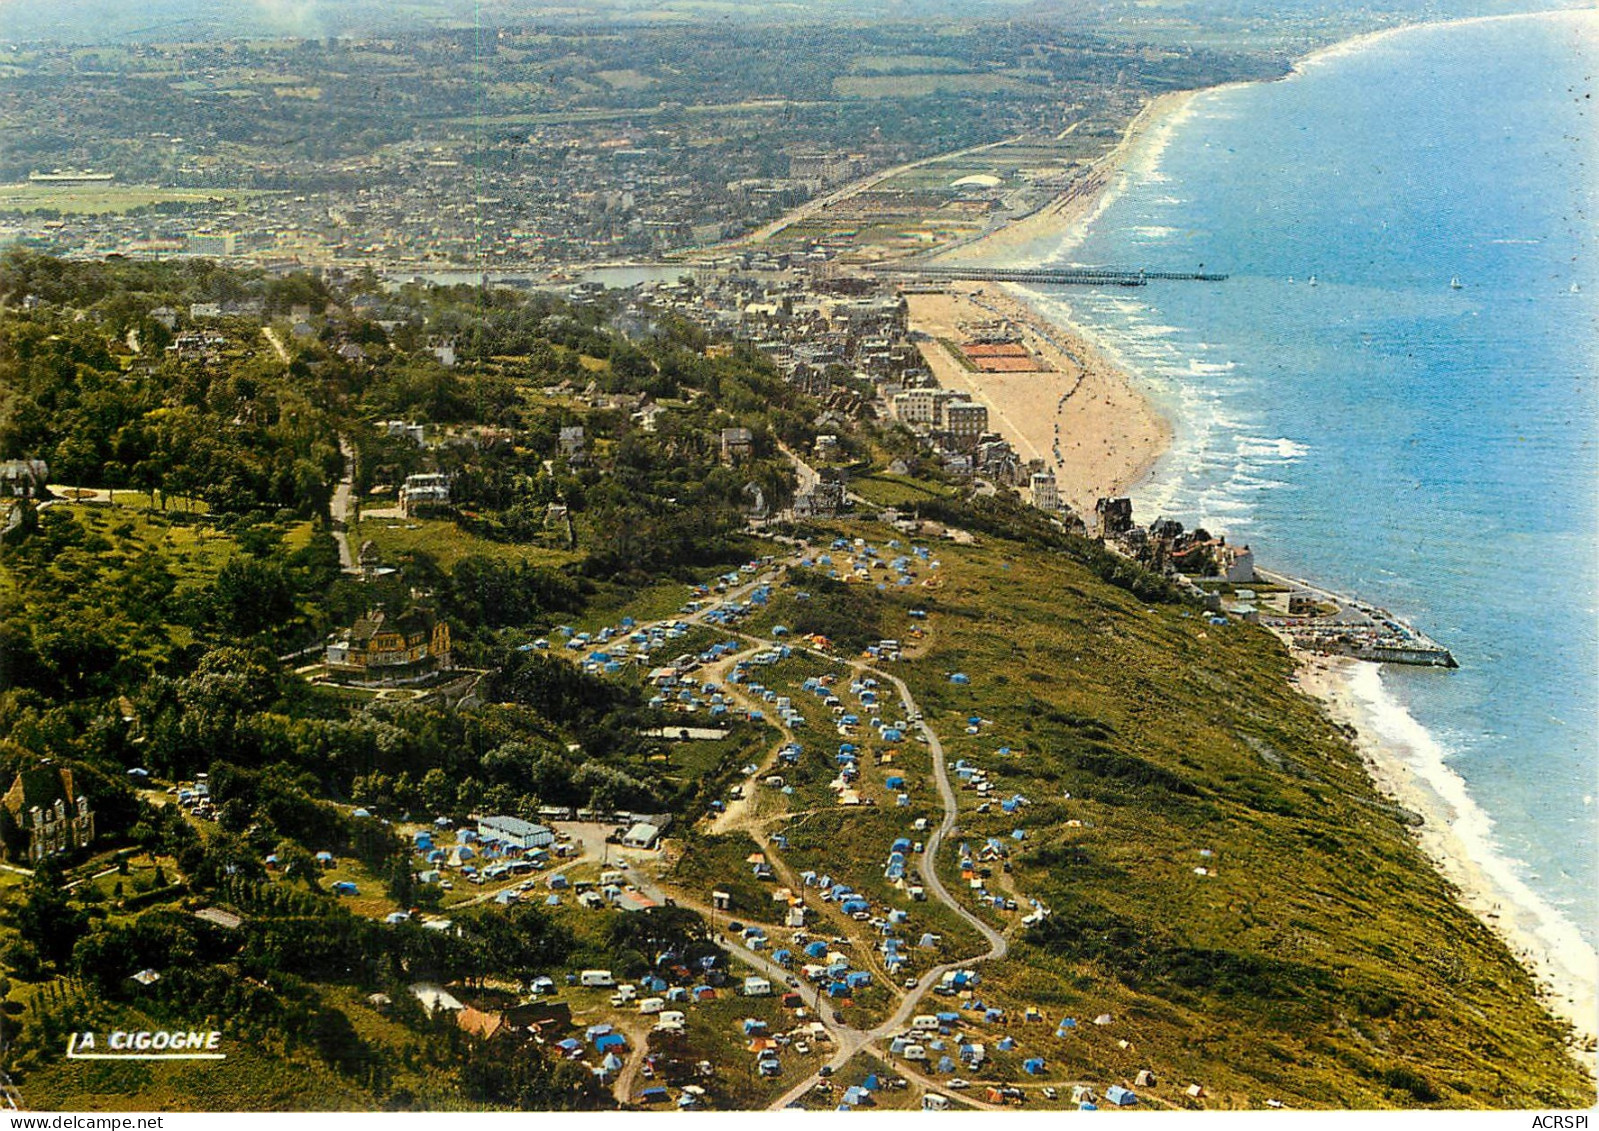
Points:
x=1346 y=626
x=1053 y=276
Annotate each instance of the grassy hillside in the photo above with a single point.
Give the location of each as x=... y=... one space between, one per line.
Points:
x=1322 y=961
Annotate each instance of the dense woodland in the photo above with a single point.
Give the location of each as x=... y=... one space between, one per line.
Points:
x=147 y=634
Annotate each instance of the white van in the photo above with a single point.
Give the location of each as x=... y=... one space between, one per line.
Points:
x=925 y=1022
x=914 y=1052
x=671 y=1017
x=599 y=978
x=624 y=994
x=616 y=878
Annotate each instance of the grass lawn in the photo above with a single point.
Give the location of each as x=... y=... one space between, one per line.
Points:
x=100 y=199
x=447 y=543
x=897 y=490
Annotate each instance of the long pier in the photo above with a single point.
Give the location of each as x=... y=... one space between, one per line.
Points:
x=1069 y=276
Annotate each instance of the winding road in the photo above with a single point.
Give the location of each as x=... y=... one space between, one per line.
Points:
x=850 y=1040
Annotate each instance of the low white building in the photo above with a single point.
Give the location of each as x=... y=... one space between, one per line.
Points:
x=515 y=831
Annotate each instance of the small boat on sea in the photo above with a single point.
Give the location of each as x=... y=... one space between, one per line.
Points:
x=1311 y=281
x=1455 y=284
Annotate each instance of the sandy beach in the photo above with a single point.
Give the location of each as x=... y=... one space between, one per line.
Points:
x=1067 y=215
x=1080 y=414
x=1405 y=764
x=1087 y=420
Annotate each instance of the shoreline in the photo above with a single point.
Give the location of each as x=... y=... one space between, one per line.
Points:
x=1084 y=395
x=1456 y=837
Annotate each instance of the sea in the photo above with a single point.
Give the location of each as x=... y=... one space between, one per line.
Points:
x=1358 y=419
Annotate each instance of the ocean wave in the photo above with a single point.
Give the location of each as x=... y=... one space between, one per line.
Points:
x=1245 y=482
x=1281 y=449
x=1450 y=810
x=1152 y=231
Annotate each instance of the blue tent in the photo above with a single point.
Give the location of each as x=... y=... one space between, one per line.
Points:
x=945 y=1065
x=816 y=950
x=1033 y=1066
x=870 y=1083
x=610 y=1041
x=1120 y=1096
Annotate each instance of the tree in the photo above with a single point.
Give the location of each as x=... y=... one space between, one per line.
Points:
x=438 y=792
x=46 y=918
x=251 y=596
x=401 y=882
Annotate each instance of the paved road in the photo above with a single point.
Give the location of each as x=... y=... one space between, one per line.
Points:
x=340 y=509
x=851 y=1040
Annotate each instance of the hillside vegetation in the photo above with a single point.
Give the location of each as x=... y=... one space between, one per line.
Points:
x=158 y=625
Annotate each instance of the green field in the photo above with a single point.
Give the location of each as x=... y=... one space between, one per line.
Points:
x=107 y=198
x=446 y=543
x=922 y=85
